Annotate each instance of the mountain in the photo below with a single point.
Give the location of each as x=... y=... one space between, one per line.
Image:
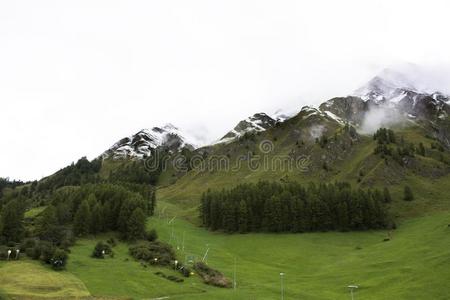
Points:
x=257 y=123
x=393 y=98
x=141 y=144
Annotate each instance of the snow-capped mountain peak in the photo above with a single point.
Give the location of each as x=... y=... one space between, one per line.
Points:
x=141 y=144
x=256 y=123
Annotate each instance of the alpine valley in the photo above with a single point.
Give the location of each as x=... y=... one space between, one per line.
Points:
x=354 y=191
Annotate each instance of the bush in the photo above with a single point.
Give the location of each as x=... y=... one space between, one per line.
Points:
x=101 y=249
x=184 y=270
x=154 y=252
x=59 y=259
x=47 y=251
x=211 y=276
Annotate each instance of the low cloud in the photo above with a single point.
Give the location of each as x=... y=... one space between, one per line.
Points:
x=378 y=117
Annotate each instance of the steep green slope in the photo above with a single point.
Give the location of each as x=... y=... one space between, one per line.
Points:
x=342 y=158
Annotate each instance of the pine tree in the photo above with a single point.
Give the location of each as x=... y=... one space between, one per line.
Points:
x=136 y=225
x=82 y=220
x=97 y=221
x=152 y=204
x=408 y=194
x=386 y=195
x=46 y=224
x=243 y=217
x=421 y=149
x=11 y=221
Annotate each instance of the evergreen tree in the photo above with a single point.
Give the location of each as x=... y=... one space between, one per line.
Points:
x=47 y=224
x=136 y=225
x=386 y=195
x=11 y=220
x=97 y=220
x=408 y=194
x=82 y=220
x=152 y=205
x=243 y=217
x=421 y=149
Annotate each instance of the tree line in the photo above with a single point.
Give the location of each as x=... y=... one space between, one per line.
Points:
x=291 y=207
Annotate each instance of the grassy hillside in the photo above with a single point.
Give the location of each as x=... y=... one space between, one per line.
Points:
x=29 y=280
x=356 y=163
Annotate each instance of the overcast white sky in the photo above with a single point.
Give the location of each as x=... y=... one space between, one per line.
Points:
x=75 y=76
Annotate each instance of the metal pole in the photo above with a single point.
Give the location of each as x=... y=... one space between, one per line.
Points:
x=282 y=288
x=182 y=247
x=234 y=275
x=351 y=293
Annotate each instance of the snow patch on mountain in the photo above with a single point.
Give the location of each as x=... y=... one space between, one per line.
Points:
x=257 y=123
x=141 y=144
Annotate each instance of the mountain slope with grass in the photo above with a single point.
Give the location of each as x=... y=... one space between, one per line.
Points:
x=129 y=225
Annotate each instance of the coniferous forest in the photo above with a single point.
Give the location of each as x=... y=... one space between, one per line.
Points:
x=292 y=207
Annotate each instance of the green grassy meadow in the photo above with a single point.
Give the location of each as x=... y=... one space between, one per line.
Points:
x=414 y=264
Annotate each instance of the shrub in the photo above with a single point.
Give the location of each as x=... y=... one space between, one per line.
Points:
x=154 y=252
x=59 y=259
x=211 y=276
x=47 y=251
x=101 y=249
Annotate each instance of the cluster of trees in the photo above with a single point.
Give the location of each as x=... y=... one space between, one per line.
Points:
x=388 y=144
x=79 y=173
x=134 y=172
x=96 y=208
x=291 y=207
x=77 y=211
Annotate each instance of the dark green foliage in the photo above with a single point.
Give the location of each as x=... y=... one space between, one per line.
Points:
x=82 y=221
x=290 y=207
x=323 y=141
x=386 y=195
x=134 y=172
x=136 y=225
x=100 y=208
x=211 y=276
x=97 y=221
x=76 y=174
x=59 y=259
x=385 y=136
x=11 y=221
x=157 y=253
x=47 y=225
x=389 y=146
x=101 y=249
x=151 y=236
x=421 y=149
x=408 y=194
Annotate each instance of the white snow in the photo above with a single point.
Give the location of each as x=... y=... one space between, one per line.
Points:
x=334 y=117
